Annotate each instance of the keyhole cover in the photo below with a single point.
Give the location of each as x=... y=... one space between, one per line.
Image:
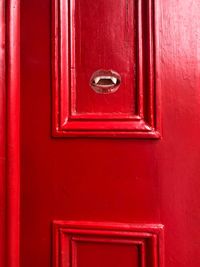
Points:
x=105 y=81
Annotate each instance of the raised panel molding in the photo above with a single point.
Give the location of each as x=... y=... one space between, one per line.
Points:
x=70 y=120
x=77 y=244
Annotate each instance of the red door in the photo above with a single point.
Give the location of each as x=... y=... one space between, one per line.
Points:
x=109 y=134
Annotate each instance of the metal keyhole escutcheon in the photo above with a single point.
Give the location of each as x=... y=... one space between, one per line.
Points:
x=105 y=81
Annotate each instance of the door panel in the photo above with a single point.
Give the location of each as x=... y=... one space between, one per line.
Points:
x=103 y=244
x=106 y=185
x=116 y=40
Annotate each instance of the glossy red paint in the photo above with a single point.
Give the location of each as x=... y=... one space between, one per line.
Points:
x=144 y=243
x=2 y=134
x=9 y=136
x=88 y=36
x=134 y=182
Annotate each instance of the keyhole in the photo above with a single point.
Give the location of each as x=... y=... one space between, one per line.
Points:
x=105 y=81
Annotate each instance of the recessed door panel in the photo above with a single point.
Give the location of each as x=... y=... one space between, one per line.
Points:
x=105 y=39
x=104 y=69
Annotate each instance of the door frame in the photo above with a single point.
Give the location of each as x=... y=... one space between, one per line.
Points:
x=10 y=132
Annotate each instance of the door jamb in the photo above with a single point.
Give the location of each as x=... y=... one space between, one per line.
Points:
x=10 y=135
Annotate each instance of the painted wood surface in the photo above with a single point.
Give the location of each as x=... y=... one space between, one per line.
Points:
x=119 y=180
x=119 y=36
x=9 y=134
